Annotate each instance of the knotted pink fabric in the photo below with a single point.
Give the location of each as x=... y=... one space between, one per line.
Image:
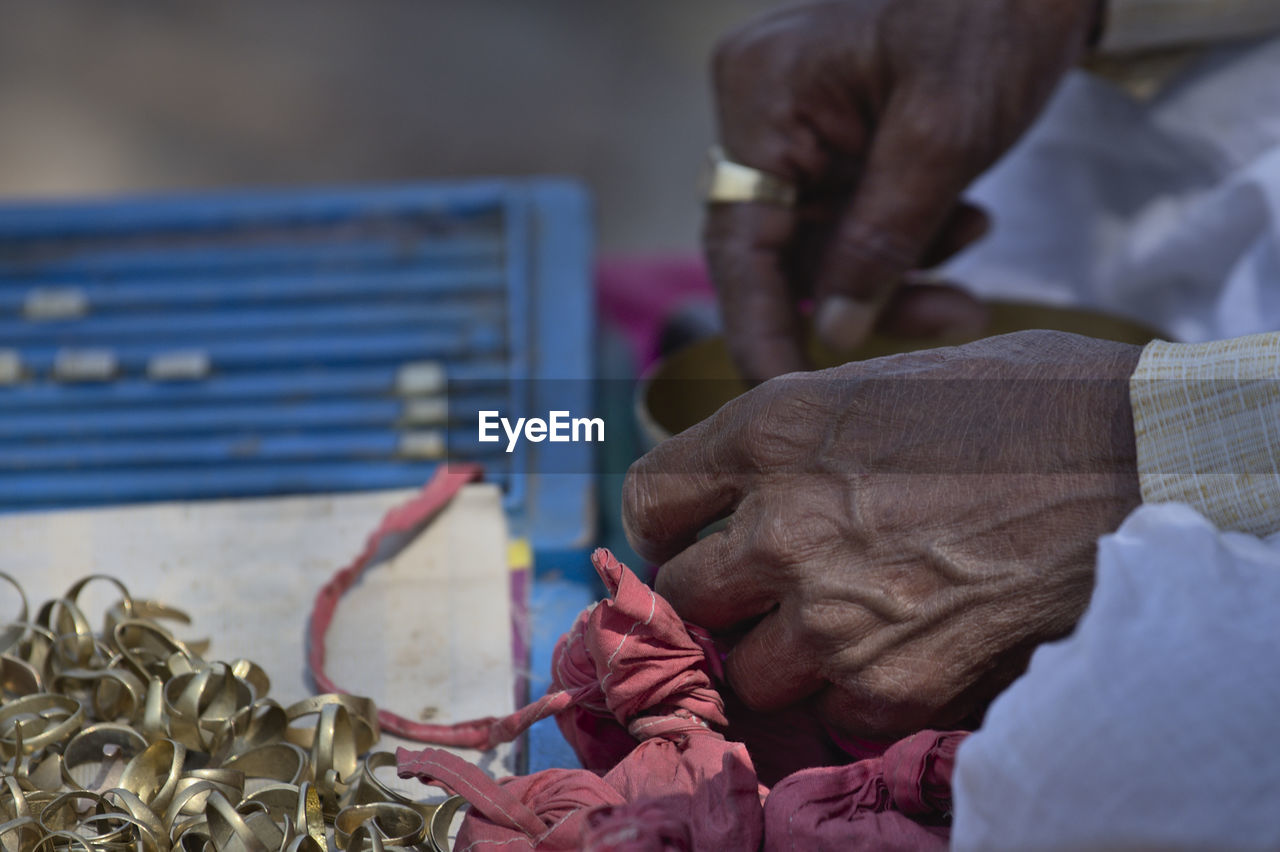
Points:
x=899 y=801
x=631 y=692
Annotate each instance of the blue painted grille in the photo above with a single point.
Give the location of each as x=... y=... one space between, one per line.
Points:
x=301 y=312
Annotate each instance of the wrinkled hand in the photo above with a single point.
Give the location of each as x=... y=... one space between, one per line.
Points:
x=882 y=112
x=901 y=532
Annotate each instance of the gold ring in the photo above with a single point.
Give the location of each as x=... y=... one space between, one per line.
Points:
x=397 y=825
x=727 y=182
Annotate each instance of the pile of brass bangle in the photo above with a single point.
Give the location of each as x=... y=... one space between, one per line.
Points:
x=129 y=740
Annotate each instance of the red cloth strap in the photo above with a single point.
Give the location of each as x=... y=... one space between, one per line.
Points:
x=486 y=796
x=403 y=519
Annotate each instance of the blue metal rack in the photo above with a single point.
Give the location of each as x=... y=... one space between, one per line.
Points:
x=297 y=320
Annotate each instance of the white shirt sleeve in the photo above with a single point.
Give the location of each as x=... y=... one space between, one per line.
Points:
x=1151 y=726
x=1133 y=25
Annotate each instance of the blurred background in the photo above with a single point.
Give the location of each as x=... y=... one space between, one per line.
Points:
x=139 y=96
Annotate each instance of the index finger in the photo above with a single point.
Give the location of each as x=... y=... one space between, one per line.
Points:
x=678 y=488
x=745 y=244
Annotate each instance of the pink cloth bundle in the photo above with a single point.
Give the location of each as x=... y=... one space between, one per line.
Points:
x=632 y=692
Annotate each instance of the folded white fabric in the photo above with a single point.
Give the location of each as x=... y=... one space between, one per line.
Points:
x=1166 y=211
x=1151 y=727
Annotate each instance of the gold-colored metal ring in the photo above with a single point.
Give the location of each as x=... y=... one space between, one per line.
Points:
x=13 y=799
x=280 y=800
x=189 y=800
x=230 y=780
x=74 y=643
x=367 y=788
x=126 y=600
x=63 y=813
x=229 y=829
x=35 y=648
x=29 y=828
x=153 y=774
x=306 y=843
x=61 y=841
x=137 y=809
x=726 y=182
x=261 y=723
x=252 y=674
x=113 y=693
x=143 y=609
x=147 y=647
x=282 y=762
x=90 y=746
x=18 y=678
x=310 y=814
x=364 y=839
x=442 y=819
x=398 y=825
x=203 y=704
x=335 y=744
x=13 y=634
x=36 y=721
x=124 y=832
x=364 y=718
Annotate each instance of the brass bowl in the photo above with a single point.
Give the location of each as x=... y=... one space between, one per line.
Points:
x=691 y=385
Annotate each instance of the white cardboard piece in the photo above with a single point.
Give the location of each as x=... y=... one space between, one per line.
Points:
x=425 y=633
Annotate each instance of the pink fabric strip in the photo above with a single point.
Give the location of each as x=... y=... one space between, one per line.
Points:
x=403 y=519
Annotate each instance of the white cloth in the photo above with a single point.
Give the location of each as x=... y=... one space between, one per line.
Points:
x=1151 y=727
x=1167 y=211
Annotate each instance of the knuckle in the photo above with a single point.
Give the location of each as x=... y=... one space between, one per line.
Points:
x=775 y=538
x=811 y=627
x=890 y=686
x=774 y=425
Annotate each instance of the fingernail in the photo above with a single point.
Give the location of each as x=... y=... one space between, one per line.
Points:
x=843 y=323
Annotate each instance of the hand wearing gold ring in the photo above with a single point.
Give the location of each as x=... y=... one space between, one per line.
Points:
x=850 y=130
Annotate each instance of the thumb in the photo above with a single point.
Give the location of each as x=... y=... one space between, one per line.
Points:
x=912 y=181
